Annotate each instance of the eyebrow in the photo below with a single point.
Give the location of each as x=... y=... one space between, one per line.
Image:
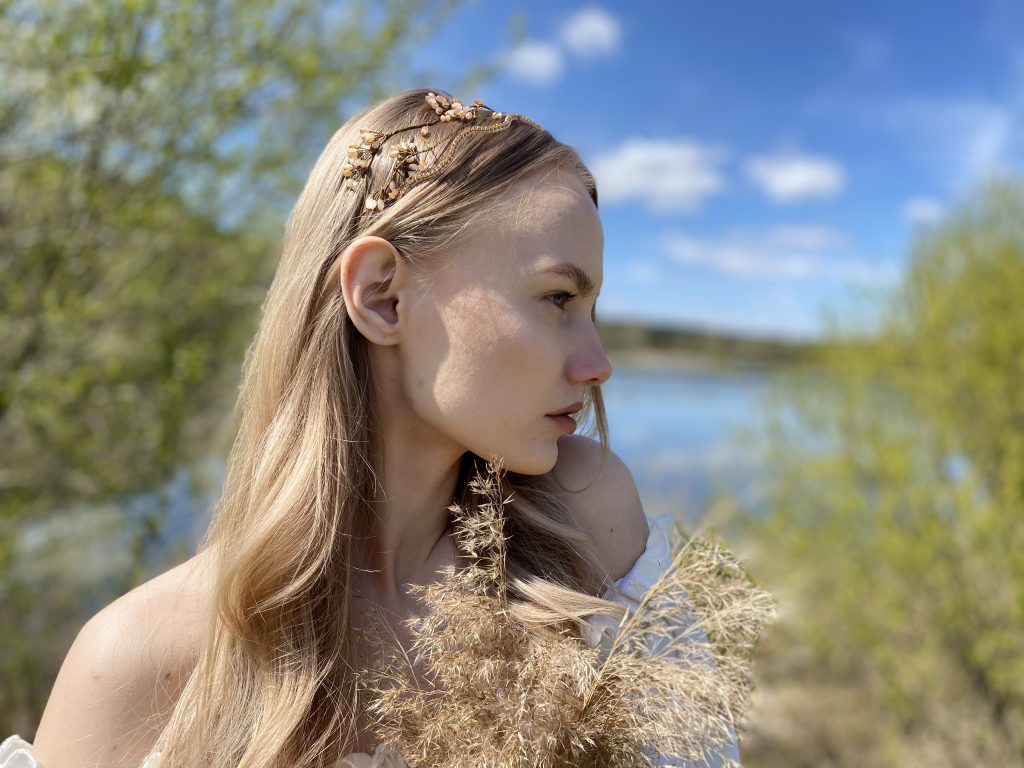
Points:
x=584 y=285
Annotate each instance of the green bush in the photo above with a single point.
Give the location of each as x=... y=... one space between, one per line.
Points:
x=894 y=527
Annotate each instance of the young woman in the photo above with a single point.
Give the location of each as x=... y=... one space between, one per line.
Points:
x=433 y=306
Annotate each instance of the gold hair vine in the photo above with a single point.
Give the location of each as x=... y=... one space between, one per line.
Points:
x=406 y=171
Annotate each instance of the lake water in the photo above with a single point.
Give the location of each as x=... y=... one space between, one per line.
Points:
x=679 y=431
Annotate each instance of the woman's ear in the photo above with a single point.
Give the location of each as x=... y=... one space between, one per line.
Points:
x=370 y=273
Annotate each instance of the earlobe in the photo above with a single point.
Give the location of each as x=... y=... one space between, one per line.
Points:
x=368 y=275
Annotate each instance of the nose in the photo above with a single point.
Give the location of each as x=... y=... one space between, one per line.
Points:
x=590 y=365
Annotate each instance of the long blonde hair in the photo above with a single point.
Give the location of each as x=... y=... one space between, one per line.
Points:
x=274 y=685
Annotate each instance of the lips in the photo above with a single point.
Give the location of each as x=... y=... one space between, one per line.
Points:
x=563 y=417
x=566 y=422
x=574 y=408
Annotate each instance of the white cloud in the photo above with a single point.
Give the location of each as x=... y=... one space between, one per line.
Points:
x=923 y=210
x=535 y=62
x=667 y=175
x=805 y=236
x=740 y=259
x=988 y=139
x=958 y=139
x=591 y=32
x=788 y=176
x=784 y=253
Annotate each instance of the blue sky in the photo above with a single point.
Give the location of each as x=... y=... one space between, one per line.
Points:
x=758 y=163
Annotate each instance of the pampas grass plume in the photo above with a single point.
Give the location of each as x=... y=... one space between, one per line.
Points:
x=499 y=694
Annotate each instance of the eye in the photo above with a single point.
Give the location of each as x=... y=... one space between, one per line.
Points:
x=562 y=296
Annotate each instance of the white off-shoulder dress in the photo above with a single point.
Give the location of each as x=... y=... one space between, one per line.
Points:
x=15 y=752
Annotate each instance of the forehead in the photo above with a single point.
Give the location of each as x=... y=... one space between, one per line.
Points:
x=545 y=219
x=540 y=202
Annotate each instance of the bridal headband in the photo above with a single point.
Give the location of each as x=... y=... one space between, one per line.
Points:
x=408 y=169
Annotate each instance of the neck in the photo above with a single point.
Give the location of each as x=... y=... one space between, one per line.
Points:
x=409 y=537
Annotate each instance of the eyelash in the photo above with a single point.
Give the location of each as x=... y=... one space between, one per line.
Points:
x=568 y=297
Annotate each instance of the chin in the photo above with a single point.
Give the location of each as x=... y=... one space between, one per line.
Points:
x=538 y=461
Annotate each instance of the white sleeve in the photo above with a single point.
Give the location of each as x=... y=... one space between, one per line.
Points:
x=15 y=752
x=656 y=558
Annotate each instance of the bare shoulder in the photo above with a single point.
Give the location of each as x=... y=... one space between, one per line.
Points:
x=609 y=507
x=124 y=672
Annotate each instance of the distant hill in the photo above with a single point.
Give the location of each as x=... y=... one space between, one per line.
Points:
x=651 y=341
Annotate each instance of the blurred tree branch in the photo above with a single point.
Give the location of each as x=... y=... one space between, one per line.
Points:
x=148 y=151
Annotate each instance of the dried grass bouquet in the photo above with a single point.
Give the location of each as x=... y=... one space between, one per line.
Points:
x=501 y=694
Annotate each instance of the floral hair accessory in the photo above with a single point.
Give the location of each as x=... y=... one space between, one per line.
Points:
x=408 y=169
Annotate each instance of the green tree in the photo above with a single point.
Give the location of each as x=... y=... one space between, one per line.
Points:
x=149 y=151
x=894 y=531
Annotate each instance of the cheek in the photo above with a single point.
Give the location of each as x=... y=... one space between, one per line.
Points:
x=493 y=347
x=485 y=355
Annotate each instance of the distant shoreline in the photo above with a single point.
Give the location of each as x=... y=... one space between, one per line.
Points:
x=655 y=359
x=690 y=349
